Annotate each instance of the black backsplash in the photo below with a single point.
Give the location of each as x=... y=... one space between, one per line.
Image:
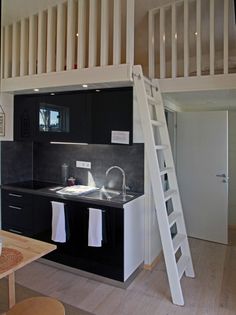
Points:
x=40 y=161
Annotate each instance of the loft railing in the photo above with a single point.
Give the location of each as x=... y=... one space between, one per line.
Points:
x=72 y=35
x=191 y=38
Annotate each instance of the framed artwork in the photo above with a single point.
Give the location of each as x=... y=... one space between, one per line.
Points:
x=2 y=124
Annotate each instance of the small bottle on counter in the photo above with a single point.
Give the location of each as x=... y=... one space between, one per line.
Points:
x=71 y=181
x=64 y=174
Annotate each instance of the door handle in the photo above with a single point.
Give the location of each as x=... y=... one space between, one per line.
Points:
x=221 y=175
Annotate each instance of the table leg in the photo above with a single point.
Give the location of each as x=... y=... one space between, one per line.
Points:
x=11 y=290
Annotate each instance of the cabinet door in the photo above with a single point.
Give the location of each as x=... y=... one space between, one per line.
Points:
x=17 y=212
x=112 y=110
x=62 y=117
x=24 y=117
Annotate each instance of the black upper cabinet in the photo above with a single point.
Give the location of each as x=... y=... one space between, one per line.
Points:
x=112 y=116
x=101 y=117
x=25 y=117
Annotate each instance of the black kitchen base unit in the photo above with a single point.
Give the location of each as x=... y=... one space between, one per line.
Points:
x=122 y=249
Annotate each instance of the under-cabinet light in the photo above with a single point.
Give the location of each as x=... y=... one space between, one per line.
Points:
x=52 y=93
x=36 y=90
x=85 y=85
x=74 y=143
x=98 y=90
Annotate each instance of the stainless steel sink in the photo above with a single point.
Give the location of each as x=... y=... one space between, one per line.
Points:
x=103 y=194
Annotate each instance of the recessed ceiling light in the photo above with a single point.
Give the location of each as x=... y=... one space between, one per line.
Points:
x=36 y=90
x=85 y=85
x=195 y=33
x=77 y=34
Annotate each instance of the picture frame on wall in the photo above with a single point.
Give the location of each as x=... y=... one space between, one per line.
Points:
x=2 y=124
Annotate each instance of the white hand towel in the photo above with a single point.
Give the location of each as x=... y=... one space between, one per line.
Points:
x=95 y=228
x=58 y=222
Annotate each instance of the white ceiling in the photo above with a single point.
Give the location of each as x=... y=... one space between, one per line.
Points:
x=204 y=100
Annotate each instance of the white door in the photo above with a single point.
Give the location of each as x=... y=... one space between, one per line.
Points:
x=202 y=170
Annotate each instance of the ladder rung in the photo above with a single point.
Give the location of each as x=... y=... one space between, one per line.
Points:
x=152 y=100
x=173 y=217
x=166 y=170
x=182 y=264
x=178 y=240
x=169 y=194
x=150 y=83
x=161 y=147
x=157 y=123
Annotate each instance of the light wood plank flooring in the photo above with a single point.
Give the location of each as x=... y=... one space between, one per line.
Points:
x=212 y=292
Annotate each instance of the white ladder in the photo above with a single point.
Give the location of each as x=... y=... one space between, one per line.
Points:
x=161 y=168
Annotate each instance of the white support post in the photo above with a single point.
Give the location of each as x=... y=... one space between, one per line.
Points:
x=2 y=53
x=151 y=46
x=186 y=39
x=198 y=37
x=81 y=49
x=226 y=36
x=117 y=32
x=51 y=40
x=71 y=35
x=92 y=33
x=24 y=46
x=42 y=39
x=174 y=41
x=16 y=49
x=212 y=37
x=7 y=52
x=162 y=44
x=61 y=37
x=104 y=32
x=130 y=32
x=32 y=44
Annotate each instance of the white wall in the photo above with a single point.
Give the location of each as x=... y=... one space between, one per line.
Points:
x=232 y=168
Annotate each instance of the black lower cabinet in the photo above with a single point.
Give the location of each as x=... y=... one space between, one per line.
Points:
x=35 y=221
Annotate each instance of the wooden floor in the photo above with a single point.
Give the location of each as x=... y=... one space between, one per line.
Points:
x=212 y=292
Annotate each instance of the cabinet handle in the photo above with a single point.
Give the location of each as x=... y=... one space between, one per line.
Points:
x=14 y=207
x=15 y=231
x=15 y=195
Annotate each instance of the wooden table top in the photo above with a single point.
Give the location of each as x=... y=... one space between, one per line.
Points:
x=31 y=249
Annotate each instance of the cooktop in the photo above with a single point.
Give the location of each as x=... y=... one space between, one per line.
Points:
x=33 y=184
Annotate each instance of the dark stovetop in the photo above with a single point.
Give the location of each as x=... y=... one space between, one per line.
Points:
x=33 y=184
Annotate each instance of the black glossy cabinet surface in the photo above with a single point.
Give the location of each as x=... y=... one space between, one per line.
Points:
x=79 y=116
x=45 y=117
x=31 y=215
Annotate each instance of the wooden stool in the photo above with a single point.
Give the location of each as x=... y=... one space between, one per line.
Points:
x=37 y=306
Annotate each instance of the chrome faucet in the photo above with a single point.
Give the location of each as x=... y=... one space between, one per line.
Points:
x=124 y=187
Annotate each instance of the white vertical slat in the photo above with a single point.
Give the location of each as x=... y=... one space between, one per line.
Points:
x=104 y=32
x=7 y=52
x=92 y=33
x=162 y=44
x=16 y=49
x=151 y=46
x=71 y=35
x=32 y=44
x=226 y=36
x=212 y=37
x=198 y=37
x=42 y=39
x=51 y=40
x=117 y=33
x=130 y=32
x=81 y=49
x=2 y=52
x=61 y=37
x=24 y=46
x=186 y=39
x=174 y=40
